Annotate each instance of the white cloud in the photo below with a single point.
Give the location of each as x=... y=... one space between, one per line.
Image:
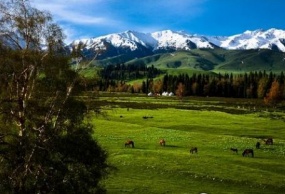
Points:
x=118 y=15
x=108 y=11
x=72 y=11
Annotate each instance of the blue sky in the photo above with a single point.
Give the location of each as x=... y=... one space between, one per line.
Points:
x=92 y=18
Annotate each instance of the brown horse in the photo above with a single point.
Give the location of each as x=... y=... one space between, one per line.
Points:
x=162 y=142
x=130 y=143
x=194 y=149
x=268 y=141
x=257 y=145
x=234 y=150
x=246 y=152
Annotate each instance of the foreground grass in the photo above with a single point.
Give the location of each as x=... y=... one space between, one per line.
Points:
x=150 y=168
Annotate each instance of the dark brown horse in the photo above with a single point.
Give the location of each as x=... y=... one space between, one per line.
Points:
x=130 y=143
x=257 y=145
x=194 y=150
x=162 y=142
x=268 y=141
x=247 y=152
x=234 y=150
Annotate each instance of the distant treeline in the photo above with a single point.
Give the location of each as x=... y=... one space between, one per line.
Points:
x=245 y=85
x=114 y=77
x=122 y=72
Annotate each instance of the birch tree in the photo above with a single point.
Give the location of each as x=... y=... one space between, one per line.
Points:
x=44 y=145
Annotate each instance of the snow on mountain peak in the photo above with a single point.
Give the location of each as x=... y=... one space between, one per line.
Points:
x=256 y=39
x=179 y=40
x=139 y=37
x=267 y=39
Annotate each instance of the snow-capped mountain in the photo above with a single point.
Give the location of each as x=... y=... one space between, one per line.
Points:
x=143 y=44
x=258 y=39
x=158 y=40
x=179 y=40
x=128 y=39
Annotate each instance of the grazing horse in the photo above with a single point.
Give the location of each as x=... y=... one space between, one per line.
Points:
x=246 y=152
x=234 y=150
x=268 y=141
x=257 y=145
x=162 y=142
x=130 y=143
x=194 y=149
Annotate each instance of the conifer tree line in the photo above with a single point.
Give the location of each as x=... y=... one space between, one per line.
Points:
x=244 y=85
x=128 y=72
x=247 y=85
x=114 y=77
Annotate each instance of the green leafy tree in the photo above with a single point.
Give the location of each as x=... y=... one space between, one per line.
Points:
x=45 y=147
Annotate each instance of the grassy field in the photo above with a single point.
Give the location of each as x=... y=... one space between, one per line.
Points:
x=207 y=125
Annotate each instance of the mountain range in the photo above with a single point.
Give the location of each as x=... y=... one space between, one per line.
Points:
x=129 y=45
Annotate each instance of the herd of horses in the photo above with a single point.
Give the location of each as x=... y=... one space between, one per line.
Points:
x=246 y=152
x=249 y=151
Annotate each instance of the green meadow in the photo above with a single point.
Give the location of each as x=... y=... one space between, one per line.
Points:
x=213 y=126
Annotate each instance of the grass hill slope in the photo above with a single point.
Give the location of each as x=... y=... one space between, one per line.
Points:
x=217 y=60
